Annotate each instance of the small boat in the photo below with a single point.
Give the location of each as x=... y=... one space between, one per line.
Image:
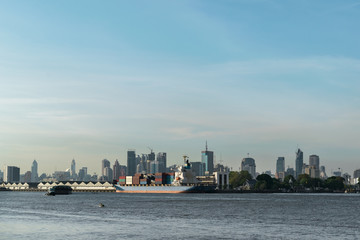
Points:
x=56 y=190
x=101 y=205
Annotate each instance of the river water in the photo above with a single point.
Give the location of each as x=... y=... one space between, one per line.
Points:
x=32 y=215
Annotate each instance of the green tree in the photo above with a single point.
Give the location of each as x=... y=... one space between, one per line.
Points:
x=264 y=178
x=304 y=180
x=276 y=184
x=237 y=179
x=289 y=182
x=316 y=183
x=335 y=183
x=261 y=185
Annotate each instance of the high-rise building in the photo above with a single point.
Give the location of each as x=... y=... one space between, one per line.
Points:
x=198 y=168
x=280 y=168
x=11 y=174
x=299 y=163
x=356 y=176
x=207 y=157
x=323 y=173
x=123 y=170
x=104 y=164
x=161 y=159
x=141 y=166
x=290 y=171
x=280 y=165
x=83 y=174
x=152 y=156
x=248 y=164
x=357 y=173
x=154 y=167
x=27 y=177
x=314 y=163
x=108 y=174
x=116 y=170
x=131 y=163
x=314 y=160
x=34 y=172
x=73 y=169
x=151 y=165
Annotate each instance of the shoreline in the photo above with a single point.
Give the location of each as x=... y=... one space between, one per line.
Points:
x=216 y=191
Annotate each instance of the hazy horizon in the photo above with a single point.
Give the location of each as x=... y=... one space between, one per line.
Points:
x=89 y=80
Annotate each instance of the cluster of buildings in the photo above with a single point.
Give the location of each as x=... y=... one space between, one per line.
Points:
x=313 y=169
x=152 y=163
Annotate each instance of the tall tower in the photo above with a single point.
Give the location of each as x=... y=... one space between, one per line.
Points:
x=248 y=164
x=299 y=162
x=131 y=163
x=116 y=170
x=11 y=174
x=104 y=164
x=314 y=164
x=280 y=165
x=73 y=169
x=280 y=168
x=34 y=171
x=207 y=157
x=161 y=159
x=314 y=160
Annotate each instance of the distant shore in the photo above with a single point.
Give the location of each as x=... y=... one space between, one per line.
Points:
x=216 y=191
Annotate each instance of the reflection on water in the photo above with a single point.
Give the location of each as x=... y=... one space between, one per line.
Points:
x=179 y=216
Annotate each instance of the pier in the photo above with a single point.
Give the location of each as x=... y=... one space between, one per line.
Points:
x=76 y=186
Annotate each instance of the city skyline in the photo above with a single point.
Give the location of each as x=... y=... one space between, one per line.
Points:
x=88 y=81
x=312 y=160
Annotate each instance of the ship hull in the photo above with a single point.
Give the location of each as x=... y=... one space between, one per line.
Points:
x=164 y=189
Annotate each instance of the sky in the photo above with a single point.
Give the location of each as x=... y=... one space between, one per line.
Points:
x=91 y=79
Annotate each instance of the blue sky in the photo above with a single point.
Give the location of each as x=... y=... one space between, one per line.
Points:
x=89 y=80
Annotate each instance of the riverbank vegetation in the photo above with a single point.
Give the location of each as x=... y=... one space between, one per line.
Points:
x=304 y=183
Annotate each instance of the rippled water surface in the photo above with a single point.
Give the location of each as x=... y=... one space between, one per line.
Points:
x=32 y=215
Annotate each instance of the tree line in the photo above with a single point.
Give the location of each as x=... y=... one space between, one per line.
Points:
x=304 y=181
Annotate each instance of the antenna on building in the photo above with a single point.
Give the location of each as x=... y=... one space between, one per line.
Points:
x=206 y=146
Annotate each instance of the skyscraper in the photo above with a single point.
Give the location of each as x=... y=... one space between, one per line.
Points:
x=34 y=172
x=108 y=174
x=357 y=173
x=299 y=163
x=280 y=168
x=27 y=177
x=248 y=164
x=198 y=168
x=131 y=163
x=323 y=173
x=83 y=174
x=207 y=157
x=116 y=170
x=104 y=164
x=161 y=159
x=314 y=163
x=314 y=160
x=280 y=165
x=11 y=174
x=73 y=169
x=152 y=155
